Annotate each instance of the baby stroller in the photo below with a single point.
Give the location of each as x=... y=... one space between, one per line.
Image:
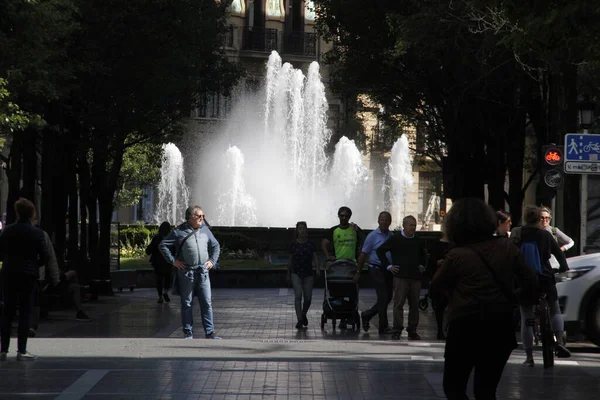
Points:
x=341 y=295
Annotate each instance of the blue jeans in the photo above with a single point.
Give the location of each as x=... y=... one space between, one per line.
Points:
x=302 y=286
x=195 y=283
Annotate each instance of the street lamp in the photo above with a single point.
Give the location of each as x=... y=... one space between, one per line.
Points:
x=586 y=110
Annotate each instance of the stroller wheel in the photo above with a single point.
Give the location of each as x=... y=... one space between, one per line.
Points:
x=357 y=318
x=333 y=324
x=323 y=321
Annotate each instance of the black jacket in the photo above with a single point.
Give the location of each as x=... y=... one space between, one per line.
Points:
x=407 y=253
x=23 y=249
x=156 y=258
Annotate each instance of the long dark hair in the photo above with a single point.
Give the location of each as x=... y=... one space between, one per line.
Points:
x=164 y=229
x=470 y=220
x=502 y=216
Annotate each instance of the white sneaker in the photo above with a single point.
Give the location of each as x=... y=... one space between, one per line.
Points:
x=3 y=356
x=25 y=356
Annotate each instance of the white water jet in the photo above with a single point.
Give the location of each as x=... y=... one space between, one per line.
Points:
x=401 y=179
x=268 y=166
x=173 y=193
x=236 y=206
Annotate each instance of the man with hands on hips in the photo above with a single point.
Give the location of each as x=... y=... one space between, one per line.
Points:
x=409 y=256
x=193 y=250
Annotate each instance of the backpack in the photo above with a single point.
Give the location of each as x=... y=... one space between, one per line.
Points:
x=531 y=254
x=529 y=250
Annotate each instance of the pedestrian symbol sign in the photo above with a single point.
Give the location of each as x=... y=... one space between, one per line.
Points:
x=582 y=153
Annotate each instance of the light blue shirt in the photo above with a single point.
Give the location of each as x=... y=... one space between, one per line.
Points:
x=372 y=243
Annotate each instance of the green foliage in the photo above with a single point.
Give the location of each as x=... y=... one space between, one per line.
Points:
x=248 y=254
x=12 y=117
x=239 y=242
x=130 y=248
x=136 y=235
x=140 y=169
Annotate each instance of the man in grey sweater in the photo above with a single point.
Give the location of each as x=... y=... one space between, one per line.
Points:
x=193 y=250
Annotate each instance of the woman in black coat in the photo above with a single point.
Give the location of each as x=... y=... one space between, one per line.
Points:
x=162 y=268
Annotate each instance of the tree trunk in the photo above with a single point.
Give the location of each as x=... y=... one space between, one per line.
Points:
x=84 y=202
x=572 y=191
x=49 y=154
x=13 y=173
x=29 y=164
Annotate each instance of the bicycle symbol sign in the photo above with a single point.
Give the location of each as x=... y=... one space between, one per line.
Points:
x=582 y=153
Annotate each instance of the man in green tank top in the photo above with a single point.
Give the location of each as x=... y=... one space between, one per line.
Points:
x=345 y=238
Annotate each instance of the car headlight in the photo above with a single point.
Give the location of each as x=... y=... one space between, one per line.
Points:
x=573 y=274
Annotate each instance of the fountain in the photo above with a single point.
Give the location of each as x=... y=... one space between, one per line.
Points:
x=267 y=164
x=399 y=171
x=173 y=194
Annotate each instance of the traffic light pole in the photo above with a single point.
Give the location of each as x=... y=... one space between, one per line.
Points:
x=583 y=210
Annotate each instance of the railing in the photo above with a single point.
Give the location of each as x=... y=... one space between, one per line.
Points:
x=259 y=39
x=303 y=43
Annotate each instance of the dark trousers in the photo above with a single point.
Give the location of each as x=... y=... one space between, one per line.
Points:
x=383 y=281
x=17 y=288
x=439 y=305
x=468 y=349
x=163 y=281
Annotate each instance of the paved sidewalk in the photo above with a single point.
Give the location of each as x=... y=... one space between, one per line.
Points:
x=133 y=350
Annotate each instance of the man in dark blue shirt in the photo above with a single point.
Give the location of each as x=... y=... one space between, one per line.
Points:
x=23 y=251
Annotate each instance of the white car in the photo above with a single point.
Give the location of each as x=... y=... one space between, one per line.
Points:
x=579 y=295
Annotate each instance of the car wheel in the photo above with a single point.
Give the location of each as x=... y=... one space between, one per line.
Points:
x=592 y=323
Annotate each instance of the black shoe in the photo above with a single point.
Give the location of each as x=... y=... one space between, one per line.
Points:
x=529 y=362
x=562 y=351
x=386 y=331
x=304 y=320
x=160 y=300
x=441 y=336
x=212 y=336
x=414 y=336
x=167 y=298
x=299 y=325
x=365 y=322
x=81 y=316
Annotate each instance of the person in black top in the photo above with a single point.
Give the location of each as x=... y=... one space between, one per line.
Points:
x=303 y=254
x=546 y=245
x=22 y=251
x=439 y=302
x=162 y=268
x=409 y=256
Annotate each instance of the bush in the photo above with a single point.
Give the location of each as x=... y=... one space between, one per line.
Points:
x=136 y=235
x=228 y=254
x=129 y=250
x=237 y=241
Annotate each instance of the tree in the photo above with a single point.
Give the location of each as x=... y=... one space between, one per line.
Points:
x=144 y=65
x=421 y=61
x=139 y=170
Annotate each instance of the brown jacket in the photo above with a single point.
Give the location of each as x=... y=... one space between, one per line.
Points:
x=471 y=287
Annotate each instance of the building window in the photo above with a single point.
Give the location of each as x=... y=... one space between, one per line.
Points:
x=238 y=7
x=212 y=106
x=309 y=11
x=275 y=9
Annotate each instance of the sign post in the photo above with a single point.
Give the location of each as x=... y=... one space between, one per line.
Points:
x=582 y=152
